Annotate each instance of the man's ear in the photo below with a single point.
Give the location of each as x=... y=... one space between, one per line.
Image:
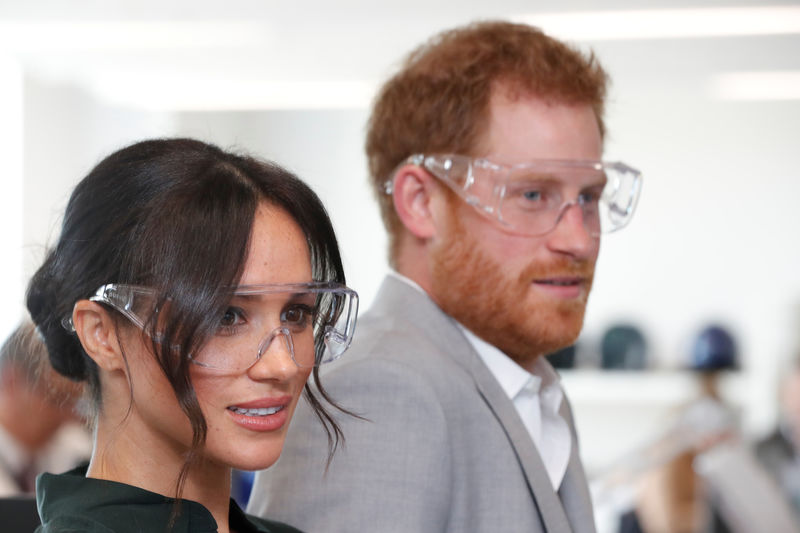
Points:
x=413 y=200
x=98 y=334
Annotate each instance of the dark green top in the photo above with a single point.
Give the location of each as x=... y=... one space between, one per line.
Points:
x=72 y=502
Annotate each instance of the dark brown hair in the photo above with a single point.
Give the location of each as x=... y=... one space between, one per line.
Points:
x=174 y=215
x=438 y=101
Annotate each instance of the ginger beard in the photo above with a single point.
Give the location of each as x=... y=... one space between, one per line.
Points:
x=499 y=306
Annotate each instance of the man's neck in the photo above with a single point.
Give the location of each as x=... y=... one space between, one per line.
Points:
x=413 y=264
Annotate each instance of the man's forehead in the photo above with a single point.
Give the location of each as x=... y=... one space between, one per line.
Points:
x=526 y=126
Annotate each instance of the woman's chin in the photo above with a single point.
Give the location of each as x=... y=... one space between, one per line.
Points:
x=258 y=461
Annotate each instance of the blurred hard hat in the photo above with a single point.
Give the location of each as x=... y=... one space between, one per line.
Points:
x=714 y=349
x=563 y=358
x=623 y=347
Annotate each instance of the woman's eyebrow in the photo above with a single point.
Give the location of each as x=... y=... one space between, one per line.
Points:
x=286 y=296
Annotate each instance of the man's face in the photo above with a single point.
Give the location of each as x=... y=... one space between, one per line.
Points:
x=524 y=295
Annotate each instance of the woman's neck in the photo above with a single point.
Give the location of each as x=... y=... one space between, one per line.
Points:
x=126 y=452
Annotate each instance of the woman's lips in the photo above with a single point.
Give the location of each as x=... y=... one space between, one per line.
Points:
x=265 y=414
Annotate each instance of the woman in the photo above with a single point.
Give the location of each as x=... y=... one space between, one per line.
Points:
x=194 y=291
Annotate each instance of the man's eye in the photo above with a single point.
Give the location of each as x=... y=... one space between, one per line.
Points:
x=532 y=195
x=591 y=196
x=297 y=316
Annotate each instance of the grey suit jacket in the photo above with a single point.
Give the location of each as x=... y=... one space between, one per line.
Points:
x=442 y=448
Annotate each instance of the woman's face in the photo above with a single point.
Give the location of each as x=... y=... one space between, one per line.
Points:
x=247 y=412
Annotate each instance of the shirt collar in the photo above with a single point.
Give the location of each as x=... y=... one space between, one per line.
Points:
x=511 y=376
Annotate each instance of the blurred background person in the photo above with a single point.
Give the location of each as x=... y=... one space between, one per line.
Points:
x=39 y=427
x=673 y=497
x=701 y=476
x=779 y=452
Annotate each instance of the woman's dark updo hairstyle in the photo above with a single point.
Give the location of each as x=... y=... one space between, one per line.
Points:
x=174 y=215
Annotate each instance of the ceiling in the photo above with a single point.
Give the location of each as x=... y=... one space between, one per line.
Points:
x=257 y=54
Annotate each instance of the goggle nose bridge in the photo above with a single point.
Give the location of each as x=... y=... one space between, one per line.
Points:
x=566 y=206
x=279 y=331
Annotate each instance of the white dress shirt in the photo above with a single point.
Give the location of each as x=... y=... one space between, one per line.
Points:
x=537 y=397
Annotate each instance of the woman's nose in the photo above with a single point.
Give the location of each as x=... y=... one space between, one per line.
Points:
x=275 y=357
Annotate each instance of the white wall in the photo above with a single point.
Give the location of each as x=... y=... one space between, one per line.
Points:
x=715 y=235
x=11 y=211
x=67 y=131
x=62 y=133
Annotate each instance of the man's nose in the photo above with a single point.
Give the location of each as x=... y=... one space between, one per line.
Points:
x=571 y=236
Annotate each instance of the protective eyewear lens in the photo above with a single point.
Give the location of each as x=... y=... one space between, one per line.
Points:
x=314 y=321
x=529 y=199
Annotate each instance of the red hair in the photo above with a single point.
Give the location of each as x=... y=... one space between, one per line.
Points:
x=439 y=100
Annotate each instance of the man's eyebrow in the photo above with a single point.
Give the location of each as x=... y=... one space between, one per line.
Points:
x=530 y=174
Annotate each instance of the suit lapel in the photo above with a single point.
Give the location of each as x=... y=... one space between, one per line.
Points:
x=574 y=491
x=401 y=300
x=550 y=508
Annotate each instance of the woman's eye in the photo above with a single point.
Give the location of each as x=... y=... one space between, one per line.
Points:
x=231 y=318
x=297 y=316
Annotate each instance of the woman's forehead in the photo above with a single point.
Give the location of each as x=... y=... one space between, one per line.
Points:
x=278 y=250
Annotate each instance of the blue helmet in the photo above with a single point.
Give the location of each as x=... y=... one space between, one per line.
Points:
x=714 y=349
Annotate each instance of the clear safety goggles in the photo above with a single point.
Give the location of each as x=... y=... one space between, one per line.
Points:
x=314 y=321
x=531 y=198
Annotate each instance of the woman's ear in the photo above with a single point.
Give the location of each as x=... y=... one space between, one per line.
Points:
x=413 y=190
x=98 y=334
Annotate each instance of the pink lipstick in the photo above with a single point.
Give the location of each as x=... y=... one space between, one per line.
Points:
x=265 y=414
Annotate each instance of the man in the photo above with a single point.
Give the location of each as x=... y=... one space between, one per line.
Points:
x=38 y=428
x=484 y=154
